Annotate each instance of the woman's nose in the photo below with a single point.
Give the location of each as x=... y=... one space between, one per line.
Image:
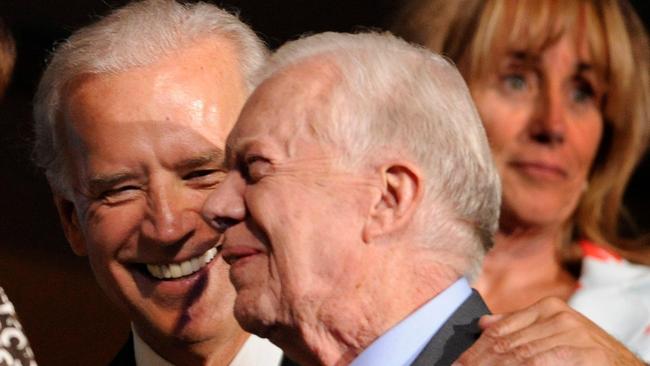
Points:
x=549 y=122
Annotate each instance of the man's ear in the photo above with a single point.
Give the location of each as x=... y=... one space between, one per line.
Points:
x=70 y=223
x=401 y=194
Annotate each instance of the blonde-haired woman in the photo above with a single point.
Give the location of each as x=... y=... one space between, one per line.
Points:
x=564 y=93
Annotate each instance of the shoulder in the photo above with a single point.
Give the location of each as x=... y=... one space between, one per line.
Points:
x=615 y=294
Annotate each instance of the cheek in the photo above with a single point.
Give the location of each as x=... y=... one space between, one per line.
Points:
x=587 y=142
x=503 y=121
x=110 y=229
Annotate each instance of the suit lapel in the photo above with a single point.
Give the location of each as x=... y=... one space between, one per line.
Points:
x=126 y=355
x=458 y=333
x=286 y=361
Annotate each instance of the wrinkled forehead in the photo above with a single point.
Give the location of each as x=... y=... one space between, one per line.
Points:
x=293 y=103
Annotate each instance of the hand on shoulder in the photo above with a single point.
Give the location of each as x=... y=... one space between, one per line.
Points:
x=548 y=332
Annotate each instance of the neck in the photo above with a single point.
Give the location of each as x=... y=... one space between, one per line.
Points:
x=345 y=325
x=219 y=351
x=524 y=267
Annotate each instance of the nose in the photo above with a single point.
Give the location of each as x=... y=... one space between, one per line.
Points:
x=550 y=118
x=168 y=220
x=225 y=206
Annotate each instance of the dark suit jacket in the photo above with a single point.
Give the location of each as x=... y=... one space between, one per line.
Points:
x=126 y=355
x=456 y=335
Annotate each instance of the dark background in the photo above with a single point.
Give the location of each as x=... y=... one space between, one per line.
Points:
x=68 y=319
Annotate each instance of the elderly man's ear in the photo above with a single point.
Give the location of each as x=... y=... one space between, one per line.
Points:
x=401 y=194
x=70 y=223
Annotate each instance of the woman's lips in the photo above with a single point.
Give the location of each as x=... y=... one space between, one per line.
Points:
x=540 y=170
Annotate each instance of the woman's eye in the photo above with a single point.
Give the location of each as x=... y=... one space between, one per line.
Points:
x=583 y=92
x=515 y=82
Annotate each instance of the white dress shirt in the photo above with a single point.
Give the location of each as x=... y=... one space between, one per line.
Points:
x=404 y=342
x=256 y=351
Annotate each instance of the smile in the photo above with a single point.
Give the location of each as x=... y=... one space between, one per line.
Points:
x=233 y=254
x=182 y=269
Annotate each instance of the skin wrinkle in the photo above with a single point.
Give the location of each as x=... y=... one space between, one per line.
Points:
x=304 y=215
x=122 y=124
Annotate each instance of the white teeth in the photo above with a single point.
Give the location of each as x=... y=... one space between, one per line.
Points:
x=210 y=254
x=196 y=264
x=176 y=270
x=186 y=268
x=155 y=271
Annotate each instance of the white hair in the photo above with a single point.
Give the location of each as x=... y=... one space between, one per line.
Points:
x=398 y=97
x=135 y=35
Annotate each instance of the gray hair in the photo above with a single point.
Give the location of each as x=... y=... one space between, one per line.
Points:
x=398 y=97
x=135 y=35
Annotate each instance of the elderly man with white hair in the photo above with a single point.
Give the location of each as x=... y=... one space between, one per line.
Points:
x=131 y=117
x=360 y=201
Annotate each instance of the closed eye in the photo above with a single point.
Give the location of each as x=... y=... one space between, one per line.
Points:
x=199 y=173
x=205 y=178
x=118 y=195
x=253 y=168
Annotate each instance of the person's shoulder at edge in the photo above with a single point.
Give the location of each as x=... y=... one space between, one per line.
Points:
x=615 y=294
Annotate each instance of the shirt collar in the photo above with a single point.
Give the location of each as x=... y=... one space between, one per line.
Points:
x=404 y=341
x=145 y=355
x=255 y=351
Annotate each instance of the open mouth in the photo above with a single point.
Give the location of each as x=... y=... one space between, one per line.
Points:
x=183 y=269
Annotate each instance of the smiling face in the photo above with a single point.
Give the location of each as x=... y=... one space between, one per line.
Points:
x=542 y=115
x=145 y=147
x=294 y=219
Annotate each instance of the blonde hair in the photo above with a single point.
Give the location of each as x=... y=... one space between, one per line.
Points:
x=467 y=31
x=7 y=57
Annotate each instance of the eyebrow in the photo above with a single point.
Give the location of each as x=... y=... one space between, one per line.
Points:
x=100 y=182
x=584 y=67
x=528 y=57
x=524 y=56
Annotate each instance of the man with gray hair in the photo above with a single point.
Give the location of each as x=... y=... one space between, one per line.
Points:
x=131 y=119
x=361 y=198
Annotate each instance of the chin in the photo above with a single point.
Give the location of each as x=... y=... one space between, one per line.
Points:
x=537 y=207
x=254 y=314
x=539 y=214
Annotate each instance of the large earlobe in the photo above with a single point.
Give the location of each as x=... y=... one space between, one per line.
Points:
x=401 y=194
x=70 y=223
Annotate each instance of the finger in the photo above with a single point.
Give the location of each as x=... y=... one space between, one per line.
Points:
x=568 y=355
x=561 y=328
x=535 y=347
x=521 y=319
x=486 y=321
